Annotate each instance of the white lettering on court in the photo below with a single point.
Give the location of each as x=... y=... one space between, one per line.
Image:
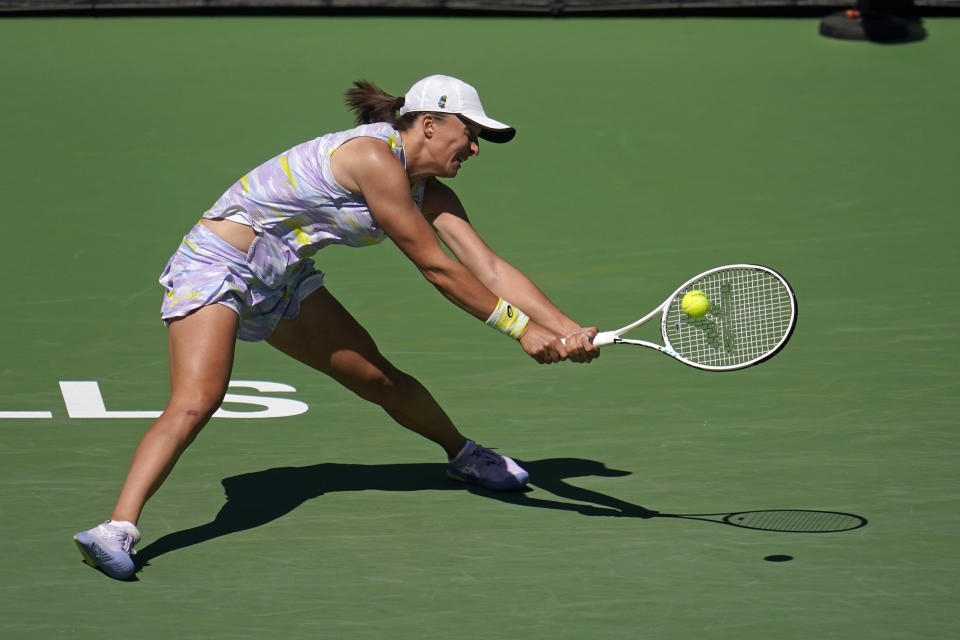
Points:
x=25 y=415
x=83 y=399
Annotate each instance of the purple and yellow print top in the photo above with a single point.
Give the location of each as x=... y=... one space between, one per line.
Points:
x=297 y=207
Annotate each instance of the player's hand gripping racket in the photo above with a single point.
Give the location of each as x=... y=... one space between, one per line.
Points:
x=752 y=313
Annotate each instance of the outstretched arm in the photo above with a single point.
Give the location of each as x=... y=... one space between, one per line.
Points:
x=365 y=165
x=444 y=210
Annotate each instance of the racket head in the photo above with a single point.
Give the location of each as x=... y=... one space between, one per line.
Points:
x=796 y=521
x=752 y=315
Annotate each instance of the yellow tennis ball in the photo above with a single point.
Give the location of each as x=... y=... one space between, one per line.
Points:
x=695 y=304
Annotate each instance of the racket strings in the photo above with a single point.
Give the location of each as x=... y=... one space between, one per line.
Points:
x=799 y=521
x=751 y=315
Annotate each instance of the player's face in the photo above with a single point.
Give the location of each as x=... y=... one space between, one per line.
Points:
x=455 y=141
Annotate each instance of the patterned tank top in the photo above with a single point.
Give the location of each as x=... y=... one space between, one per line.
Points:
x=297 y=207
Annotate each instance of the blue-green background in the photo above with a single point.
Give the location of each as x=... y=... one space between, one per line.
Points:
x=648 y=150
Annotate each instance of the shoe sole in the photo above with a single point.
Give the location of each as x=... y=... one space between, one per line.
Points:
x=86 y=556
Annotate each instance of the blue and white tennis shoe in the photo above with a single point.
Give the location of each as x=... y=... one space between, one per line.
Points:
x=109 y=547
x=481 y=466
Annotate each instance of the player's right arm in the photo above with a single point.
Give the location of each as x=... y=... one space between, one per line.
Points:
x=446 y=213
x=367 y=166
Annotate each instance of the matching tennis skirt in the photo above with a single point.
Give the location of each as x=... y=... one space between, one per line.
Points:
x=208 y=270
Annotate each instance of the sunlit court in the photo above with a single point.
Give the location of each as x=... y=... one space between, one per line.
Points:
x=803 y=487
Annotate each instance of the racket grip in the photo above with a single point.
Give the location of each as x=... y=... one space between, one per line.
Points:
x=604 y=338
x=599 y=340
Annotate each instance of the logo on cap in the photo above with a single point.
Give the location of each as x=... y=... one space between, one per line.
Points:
x=442 y=102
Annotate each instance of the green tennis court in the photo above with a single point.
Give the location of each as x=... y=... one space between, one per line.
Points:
x=648 y=150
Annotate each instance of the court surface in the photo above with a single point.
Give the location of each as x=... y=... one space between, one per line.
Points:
x=648 y=150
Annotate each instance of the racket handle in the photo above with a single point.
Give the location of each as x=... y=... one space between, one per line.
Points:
x=604 y=338
x=599 y=340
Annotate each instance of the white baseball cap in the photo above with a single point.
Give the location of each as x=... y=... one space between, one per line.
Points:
x=444 y=94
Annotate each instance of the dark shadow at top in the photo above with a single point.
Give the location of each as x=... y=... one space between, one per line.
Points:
x=254 y=499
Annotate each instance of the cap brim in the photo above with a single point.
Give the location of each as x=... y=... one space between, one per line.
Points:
x=492 y=130
x=498 y=135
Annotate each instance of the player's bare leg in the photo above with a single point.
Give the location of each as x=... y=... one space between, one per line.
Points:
x=201 y=349
x=326 y=337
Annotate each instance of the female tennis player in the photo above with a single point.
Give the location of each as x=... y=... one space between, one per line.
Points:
x=242 y=272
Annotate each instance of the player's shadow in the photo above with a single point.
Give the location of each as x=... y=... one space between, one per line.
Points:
x=254 y=499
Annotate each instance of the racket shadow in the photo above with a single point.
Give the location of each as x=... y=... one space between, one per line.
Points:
x=254 y=499
x=551 y=475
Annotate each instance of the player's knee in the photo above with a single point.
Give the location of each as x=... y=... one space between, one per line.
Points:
x=191 y=412
x=381 y=385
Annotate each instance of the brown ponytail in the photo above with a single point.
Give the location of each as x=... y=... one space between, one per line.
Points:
x=370 y=104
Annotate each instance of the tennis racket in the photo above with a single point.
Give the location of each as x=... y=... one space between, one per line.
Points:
x=752 y=314
x=783 y=520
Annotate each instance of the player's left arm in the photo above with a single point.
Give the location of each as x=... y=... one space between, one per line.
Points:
x=446 y=213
